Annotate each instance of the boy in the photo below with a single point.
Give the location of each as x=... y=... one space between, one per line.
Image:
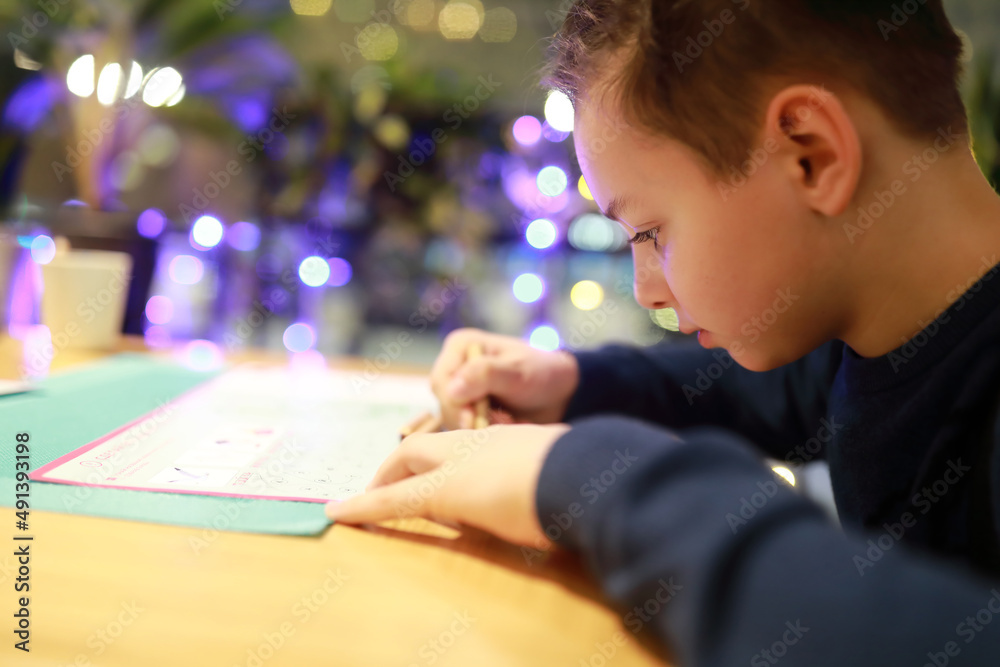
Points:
x=798 y=182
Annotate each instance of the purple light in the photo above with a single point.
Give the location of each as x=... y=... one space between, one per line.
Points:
x=340 y=272
x=527 y=130
x=244 y=236
x=151 y=223
x=159 y=309
x=299 y=337
x=186 y=270
x=552 y=134
x=157 y=336
x=201 y=355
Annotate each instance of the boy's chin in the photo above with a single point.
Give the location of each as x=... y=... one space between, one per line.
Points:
x=757 y=357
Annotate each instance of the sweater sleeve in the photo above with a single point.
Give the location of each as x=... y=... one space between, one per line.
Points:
x=699 y=545
x=683 y=385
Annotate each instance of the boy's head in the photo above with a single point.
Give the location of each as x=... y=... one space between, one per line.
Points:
x=741 y=132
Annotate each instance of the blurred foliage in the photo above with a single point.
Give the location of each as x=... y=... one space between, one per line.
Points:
x=983 y=102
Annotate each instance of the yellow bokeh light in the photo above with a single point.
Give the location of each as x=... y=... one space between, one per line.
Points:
x=459 y=20
x=666 y=319
x=378 y=42
x=392 y=132
x=415 y=13
x=785 y=473
x=311 y=7
x=584 y=189
x=499 y=25
x=586 y=295
x=369 y=103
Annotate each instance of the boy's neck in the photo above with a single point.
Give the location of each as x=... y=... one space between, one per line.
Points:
x=928 y=246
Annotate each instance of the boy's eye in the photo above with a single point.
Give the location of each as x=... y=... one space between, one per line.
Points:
x=642 y=237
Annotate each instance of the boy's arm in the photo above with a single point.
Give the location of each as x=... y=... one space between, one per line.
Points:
x=695 y=541
x=682 y=385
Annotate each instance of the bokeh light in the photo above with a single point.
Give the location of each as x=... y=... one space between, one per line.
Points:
x=314 y=271
x=584 y=189
x=559 y=111
x=43 y=249
x=666 y=318
x=80 y=76
x=499 y=26
x=151 y=222
x=299 y=337
x=157 y=336
x=340 y=272
x=243 y=236
x=528 y=288
x=586 y=295
x=201 y=355
x=186 y=270
x=785 y=473
x=527 y=130
x=541 y=234
x=311 y=7
x=378 y=42
x=134 y=80
x=159 y=309
x=164 y=87
x=459 y=19
x=595 y=233
x=552 y=181
x=206 y=232
x=108 y=83
x=544 y=338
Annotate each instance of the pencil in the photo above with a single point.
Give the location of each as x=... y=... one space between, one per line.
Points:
x=424 y=423
x=481 y=419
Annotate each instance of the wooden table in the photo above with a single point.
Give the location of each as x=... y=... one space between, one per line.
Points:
x=406 y=593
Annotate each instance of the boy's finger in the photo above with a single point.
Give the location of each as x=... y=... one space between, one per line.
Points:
x=407 y=498
x=417 y=454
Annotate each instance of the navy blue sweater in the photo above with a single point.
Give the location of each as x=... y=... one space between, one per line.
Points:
x=660 y=485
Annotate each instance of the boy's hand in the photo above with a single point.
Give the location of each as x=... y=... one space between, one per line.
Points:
x=484 y=478
x=530 y=385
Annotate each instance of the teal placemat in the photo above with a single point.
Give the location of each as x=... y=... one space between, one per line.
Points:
x=70 y=410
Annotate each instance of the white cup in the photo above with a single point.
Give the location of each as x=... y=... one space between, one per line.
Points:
x=83 y=302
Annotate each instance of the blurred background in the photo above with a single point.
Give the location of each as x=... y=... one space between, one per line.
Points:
x=343 y=176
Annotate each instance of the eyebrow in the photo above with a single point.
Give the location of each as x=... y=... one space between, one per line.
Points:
x=618 y=206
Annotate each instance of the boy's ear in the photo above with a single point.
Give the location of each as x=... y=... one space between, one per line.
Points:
x=816 y=133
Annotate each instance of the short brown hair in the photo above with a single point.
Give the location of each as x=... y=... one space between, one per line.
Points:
x=695 y=69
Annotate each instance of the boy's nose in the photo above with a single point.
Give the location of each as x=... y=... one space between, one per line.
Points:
x=651 y=290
